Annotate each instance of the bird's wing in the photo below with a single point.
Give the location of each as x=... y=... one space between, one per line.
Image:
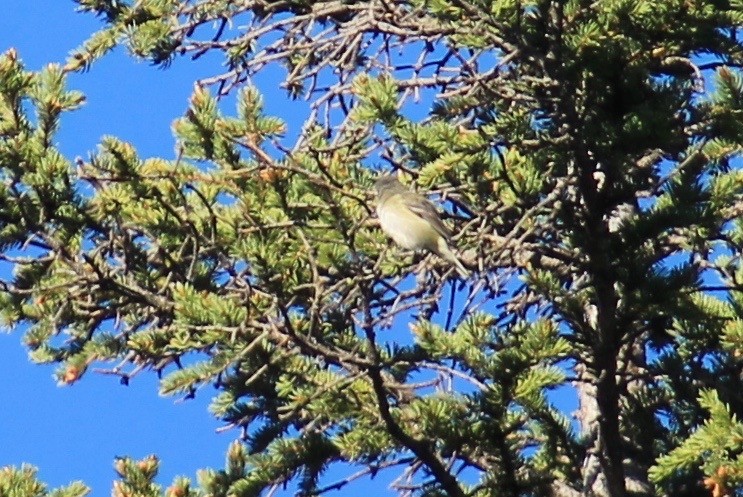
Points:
x=424 y=209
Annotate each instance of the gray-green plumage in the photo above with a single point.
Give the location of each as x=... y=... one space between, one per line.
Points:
x=412 y=221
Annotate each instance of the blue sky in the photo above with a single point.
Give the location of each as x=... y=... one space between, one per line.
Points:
x=74 y=433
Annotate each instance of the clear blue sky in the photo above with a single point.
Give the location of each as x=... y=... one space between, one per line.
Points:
x=75 y=432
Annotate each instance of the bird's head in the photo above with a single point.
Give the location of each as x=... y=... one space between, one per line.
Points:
x=387 y=183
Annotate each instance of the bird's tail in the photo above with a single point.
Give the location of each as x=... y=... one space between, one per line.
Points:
x=449 y=256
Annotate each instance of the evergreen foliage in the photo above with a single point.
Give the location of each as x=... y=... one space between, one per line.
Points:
x=588 y=154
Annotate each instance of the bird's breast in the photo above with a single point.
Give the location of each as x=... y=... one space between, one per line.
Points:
x=408 y=230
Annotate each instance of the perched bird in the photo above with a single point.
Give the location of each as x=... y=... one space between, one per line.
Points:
x=412 y=221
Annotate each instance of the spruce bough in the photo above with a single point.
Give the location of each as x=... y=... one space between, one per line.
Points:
x=589 y=155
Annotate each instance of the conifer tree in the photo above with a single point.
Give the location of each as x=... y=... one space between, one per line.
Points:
x=587 y=155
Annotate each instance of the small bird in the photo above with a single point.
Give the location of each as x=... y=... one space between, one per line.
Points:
x=412 y=221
